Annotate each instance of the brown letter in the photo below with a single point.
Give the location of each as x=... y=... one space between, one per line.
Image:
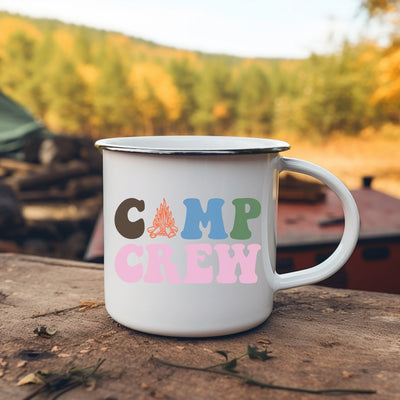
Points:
x=127 y=228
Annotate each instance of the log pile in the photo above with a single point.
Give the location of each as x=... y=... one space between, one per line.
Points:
x=50 y=200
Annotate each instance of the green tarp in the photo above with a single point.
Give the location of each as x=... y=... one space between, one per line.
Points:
x=16 y=127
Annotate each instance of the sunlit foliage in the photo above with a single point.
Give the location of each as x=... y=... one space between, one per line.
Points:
x=85 y=81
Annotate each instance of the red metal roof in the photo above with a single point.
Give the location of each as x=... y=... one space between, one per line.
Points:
x=300 y=223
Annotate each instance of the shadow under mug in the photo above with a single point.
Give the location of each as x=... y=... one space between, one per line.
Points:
x=190 y=232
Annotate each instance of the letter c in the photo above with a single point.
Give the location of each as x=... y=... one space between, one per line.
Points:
x=127 y=228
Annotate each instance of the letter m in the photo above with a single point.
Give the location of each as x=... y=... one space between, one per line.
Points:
x=195 y=215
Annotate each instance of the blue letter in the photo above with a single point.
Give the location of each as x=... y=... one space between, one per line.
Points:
x=195 y=215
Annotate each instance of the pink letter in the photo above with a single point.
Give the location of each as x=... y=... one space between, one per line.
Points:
x=196 y=274
x=227 y=265
x=153 y=273
x=123 y=269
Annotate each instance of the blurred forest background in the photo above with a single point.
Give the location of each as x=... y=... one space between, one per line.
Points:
x=340 y=110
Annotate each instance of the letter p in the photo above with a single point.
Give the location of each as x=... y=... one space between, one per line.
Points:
x=240 y=227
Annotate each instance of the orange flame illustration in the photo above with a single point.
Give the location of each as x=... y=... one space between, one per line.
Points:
x=163 y=223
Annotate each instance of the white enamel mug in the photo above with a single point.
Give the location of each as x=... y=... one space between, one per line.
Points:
x=190 y=232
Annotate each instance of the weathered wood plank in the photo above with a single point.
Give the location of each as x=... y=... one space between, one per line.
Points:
x=320 y=338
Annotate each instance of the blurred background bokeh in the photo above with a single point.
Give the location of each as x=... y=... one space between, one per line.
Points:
x=342 y=105
x=335 y=99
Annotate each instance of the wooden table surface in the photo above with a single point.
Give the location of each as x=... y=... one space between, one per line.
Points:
x=320 y=338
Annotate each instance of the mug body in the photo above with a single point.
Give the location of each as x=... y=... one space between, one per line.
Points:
x=190 y=240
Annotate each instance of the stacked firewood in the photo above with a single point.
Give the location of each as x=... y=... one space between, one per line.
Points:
x=50 y=200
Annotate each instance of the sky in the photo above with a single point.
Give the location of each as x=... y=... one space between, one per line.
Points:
x=252 y=28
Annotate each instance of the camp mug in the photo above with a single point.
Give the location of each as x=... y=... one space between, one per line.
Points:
x=190 y=232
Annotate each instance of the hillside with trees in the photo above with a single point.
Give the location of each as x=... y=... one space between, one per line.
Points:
x=84 y=81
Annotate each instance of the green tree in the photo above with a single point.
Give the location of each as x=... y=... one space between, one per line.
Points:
x=82 y=45
x=17 y=64
x=336 y=93
x=215 y=99
x=113 y=101
x=157 y=98
x=254 y=105
x=35 y=99
x=68 y=109
x=185 y=78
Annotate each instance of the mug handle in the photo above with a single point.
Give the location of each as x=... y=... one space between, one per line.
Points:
x=350 y=234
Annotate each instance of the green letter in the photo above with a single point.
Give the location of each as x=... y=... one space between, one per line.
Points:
x=240 y=228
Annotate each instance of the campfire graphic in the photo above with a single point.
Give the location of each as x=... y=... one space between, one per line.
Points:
x=163 y=223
